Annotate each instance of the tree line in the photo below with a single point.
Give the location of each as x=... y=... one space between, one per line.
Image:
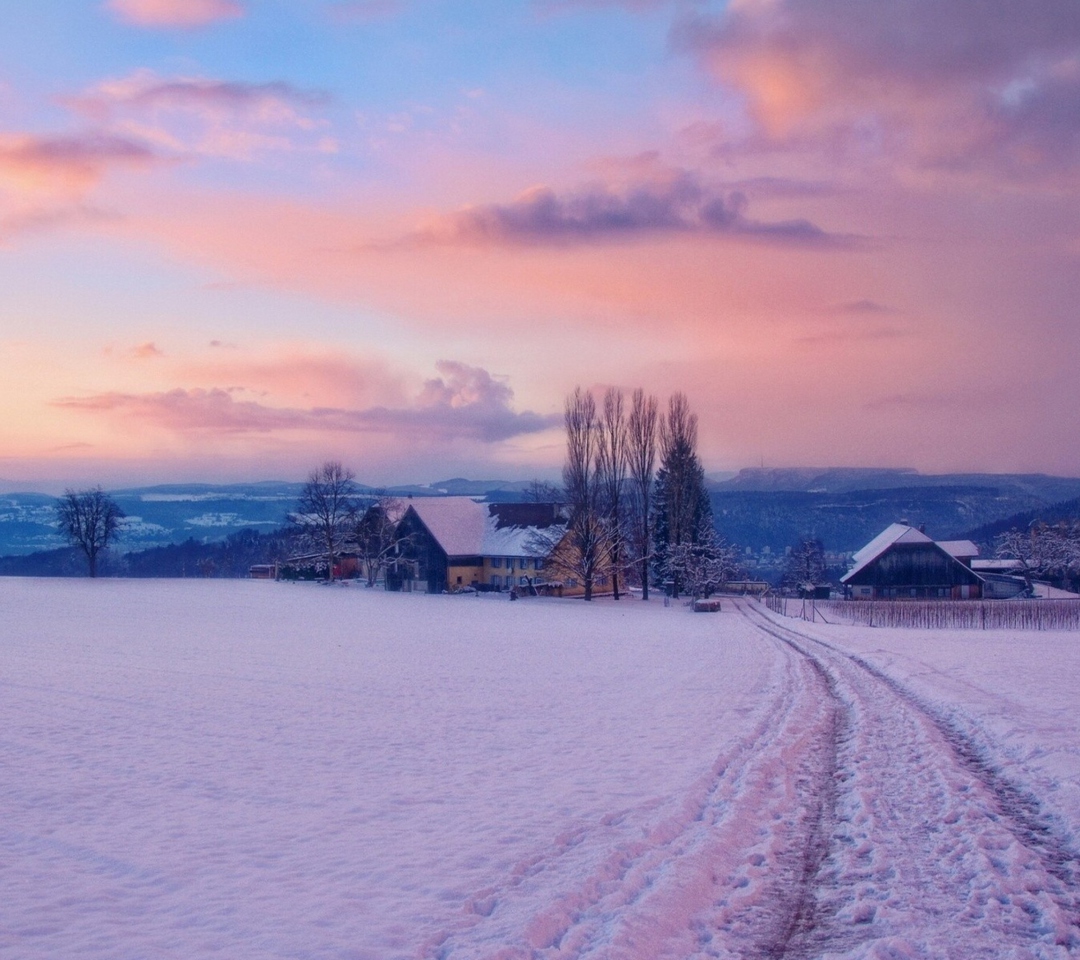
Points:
x=637 y=507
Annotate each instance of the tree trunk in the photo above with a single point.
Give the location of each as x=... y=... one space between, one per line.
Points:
x=644 y=578
x=588 y=588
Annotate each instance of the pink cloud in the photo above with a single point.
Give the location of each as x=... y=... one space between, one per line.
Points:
x=36 y=218
x=949 y=84
x=206 y=115
x=676 y=201
x=680 y=275
x=464 y=403
x=32 y=161
x=298 y=374
x=175 y=13
x=145 y=90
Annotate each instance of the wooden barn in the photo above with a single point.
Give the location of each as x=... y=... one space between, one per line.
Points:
x=903 y=563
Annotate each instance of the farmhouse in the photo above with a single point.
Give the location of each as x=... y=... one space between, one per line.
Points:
x=902 y=562
x=454 y=543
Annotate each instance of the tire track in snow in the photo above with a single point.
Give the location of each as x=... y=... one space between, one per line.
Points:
x=987 y=875
x=724 y=876
x=1023 y=809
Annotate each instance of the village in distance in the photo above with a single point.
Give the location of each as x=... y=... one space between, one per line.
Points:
x=625 y=515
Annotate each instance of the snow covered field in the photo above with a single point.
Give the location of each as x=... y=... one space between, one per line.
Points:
x=257 y=770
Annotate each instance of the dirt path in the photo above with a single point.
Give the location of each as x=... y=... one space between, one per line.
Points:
x=847 y=821
x=933 y=851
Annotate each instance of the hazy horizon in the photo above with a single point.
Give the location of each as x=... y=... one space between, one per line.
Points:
x=55 y=487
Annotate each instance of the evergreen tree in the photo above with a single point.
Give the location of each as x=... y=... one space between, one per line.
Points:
x=683 y=513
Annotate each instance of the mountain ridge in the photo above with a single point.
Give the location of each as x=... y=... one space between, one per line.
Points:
x=756 y=508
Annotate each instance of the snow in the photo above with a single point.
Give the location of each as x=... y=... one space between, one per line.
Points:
x=458 y=523
x=1016 y=692
x=254 y=769
x=894 y=533
x=960 y=549
x=465 y=527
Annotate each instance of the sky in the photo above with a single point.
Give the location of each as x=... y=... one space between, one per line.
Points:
x=240 y=237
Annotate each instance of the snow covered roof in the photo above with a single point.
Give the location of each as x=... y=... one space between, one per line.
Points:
x=961 y=549
x=509 y=541
x=892 y=534
x=1045 y=591
x=996 y=564
x=465 y=527
x=458 y=523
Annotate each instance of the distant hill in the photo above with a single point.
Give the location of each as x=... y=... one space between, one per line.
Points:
x=460 y=487
x=156 y=515
x=755 y=508
x=846 y=508
x=986 y=534
x=206 y=513
x=1040 y=486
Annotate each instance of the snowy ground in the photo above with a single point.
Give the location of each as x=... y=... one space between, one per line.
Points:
x=257 y=770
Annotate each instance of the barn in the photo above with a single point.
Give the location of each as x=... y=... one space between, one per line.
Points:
x=454 y=543
x=903 y=563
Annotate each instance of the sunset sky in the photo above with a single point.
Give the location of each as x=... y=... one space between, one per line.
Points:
x=238 y=237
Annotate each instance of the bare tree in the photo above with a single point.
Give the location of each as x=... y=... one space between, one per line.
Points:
x=1044 y=551
x=326 y=508
x=805 y=567
x=540 y=491
x=581 y=550
x=611 y=466
x=641 y=456
x=377 y=537
x=90 y=520
x=704 y=566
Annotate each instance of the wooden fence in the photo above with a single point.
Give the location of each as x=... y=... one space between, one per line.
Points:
x=943 y=614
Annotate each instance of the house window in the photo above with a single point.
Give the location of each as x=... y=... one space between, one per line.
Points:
x=509 y=563
x=538 y=564
x=496 y=562
x=459 y=579
x=572 y=582
x=496 y=581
